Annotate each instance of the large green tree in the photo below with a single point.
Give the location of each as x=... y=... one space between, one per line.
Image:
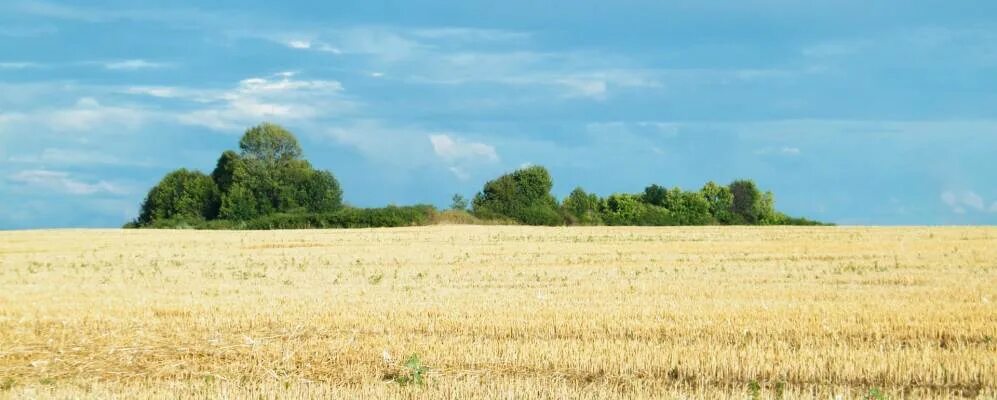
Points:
x=267 y=177
x=181 y=194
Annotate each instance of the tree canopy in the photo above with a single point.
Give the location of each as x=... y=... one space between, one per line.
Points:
x=267 y=177
x=524 y=196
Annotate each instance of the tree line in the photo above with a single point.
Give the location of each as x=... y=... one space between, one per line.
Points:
x=268 y=185
x=524 y=196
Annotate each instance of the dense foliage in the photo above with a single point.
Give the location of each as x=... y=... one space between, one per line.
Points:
x=268 y=177
x=524 y=196
x=268 y=185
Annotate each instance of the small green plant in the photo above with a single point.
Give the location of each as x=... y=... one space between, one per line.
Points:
x=376 y=278
x=875 y=394
x=414 y=370
x=755 y=389
x=780 y=390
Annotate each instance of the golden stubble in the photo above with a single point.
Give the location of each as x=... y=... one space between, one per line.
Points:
x=500 y=312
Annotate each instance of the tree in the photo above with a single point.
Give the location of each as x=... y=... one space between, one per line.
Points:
x=523 y=195
x=720 y=200
x=655 y=195
x=229 y=168
x=238 y=204
x=458 y=202
x=767 y=215
x=582 y=207
x=181 y=194
x=690 y=208
x=746 y=201
x=631 y=210
x=322 y=192
x=269 y=143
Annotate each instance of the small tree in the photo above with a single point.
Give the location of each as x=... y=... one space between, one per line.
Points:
x=655 y=195
x=720 y=200
x=746 y=201
x=458 y=202
x=582 y=207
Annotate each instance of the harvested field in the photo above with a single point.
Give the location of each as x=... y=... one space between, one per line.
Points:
x=500 y=312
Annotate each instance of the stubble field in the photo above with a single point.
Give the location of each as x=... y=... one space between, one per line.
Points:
x=500 y=312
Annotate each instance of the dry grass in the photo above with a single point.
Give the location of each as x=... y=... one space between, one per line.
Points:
x=500 y=312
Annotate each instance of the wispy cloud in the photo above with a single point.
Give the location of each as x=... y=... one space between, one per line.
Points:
x=450 y=148
x=412 y=146
x=461 y=154
x=127 y=65
x=19 y=65
x=88 y=114
x=62 y=182
x=279 y=96
x=789 y=151
x=967 y=200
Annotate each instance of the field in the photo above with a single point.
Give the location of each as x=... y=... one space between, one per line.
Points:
x=500 y=312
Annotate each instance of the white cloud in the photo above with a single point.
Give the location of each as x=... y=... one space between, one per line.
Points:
x=450 y=149
x=963 y=201
x=133 y=65
x=788 y=151
x=154 y=91
x=595 y=89
x=453 y=56
x=460 y=173
x=61 y=182
x=19 y=65
x=280 y=97
x=407 y=146
x=792 y=151
x=88 y=114
x=460 y=153
x=299 y=44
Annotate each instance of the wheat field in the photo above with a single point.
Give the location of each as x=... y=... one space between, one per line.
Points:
x=500 y=312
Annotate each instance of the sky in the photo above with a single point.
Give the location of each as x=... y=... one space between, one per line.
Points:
x=853 y=112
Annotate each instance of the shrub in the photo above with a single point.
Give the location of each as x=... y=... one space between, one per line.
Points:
x=523 y=195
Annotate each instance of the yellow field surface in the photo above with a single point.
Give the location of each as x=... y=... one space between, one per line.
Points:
x=500 y=312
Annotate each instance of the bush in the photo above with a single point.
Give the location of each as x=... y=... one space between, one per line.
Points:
x=386 y=217
x=523 y=196
x=541 y=214
x=630 y=210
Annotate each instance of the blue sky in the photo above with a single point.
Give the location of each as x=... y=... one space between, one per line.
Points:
x=850 y=112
